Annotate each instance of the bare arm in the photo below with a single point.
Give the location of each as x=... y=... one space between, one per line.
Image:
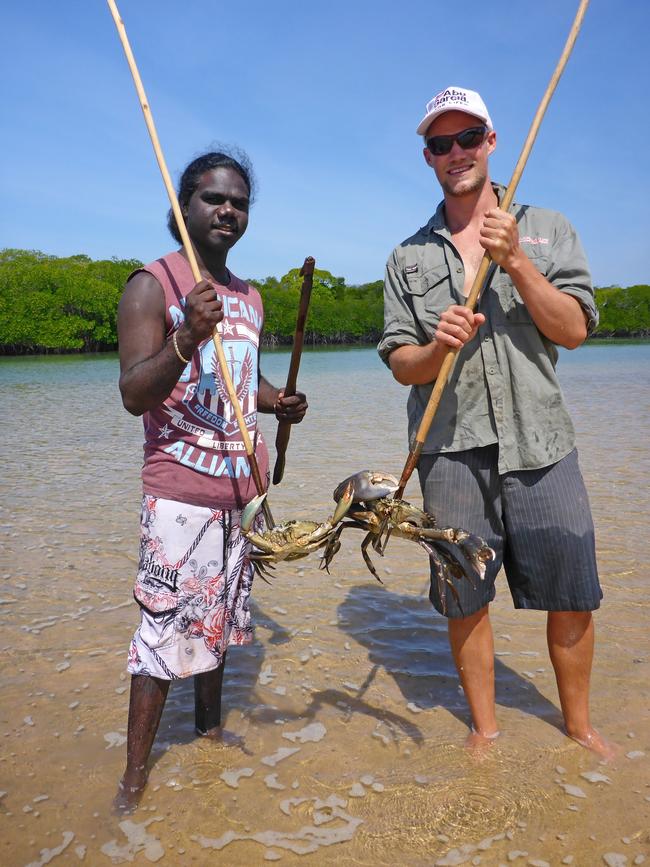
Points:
x=272 y=399
x=267 y=395
x=558 y=316
x=418 y=365
x=149 y=365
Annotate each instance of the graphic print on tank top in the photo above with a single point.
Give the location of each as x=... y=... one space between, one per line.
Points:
x=193 y=446
x=209 y=413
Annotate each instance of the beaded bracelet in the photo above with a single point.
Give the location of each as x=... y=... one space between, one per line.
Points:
x=177 y=350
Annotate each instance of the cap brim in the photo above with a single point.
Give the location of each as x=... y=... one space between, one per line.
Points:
x=424 y=124
x=426 y=121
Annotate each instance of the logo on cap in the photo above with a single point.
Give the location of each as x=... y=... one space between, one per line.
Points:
x=447 y=96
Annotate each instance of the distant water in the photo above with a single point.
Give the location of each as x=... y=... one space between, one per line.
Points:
x=354 y=675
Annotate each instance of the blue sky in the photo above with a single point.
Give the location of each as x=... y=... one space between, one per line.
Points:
x=325 y=98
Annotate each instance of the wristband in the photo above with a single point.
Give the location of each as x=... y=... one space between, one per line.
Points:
x=177 y=350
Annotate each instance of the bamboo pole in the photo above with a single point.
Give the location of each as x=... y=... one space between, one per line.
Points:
x=189 y=251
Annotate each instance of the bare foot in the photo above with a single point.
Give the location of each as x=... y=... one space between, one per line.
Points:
x=225 y=737
x=600 y=746
x=479 y=744
x=129 y=794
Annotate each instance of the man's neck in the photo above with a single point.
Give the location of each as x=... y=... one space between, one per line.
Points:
x=463 y=211
x=211 y=267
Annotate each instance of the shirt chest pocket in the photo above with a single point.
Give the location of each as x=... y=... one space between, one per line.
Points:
x=430 y=292
x=507 y=304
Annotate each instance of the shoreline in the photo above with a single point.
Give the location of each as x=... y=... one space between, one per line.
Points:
x=274 y=343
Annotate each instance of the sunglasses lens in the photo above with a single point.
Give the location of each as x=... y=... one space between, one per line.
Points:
x=440 y=144
x=468 y=138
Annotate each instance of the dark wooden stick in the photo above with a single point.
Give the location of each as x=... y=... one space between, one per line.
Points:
x=479 y=280
x=284 y=427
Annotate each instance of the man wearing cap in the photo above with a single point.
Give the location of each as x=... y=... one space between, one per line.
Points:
x=499 y=459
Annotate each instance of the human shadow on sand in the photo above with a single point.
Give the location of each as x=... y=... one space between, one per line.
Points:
x=407 y=638
x=243 y=667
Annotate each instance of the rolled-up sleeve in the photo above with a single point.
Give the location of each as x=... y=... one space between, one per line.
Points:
x=400 y=326
x=569 y=271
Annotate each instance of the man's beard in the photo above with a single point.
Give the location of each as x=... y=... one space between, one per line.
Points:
x=465 y=188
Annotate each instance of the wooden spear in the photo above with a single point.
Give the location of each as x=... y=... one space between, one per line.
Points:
x=284 y=427
x=452 y=352
x=189 y=251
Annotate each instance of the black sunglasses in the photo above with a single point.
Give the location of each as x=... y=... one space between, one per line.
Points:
x=468 y=138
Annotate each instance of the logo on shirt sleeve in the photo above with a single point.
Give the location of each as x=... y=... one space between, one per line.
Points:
x=536 y=241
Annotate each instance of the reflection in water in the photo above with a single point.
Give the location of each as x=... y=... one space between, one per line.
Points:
x=348 y=700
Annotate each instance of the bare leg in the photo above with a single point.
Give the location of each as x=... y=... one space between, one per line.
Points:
x=207 y=707
x=472 y=647
x=207 y=700
x=570 y=636
x=146 y=704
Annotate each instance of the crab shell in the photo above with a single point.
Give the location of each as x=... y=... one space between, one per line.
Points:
x=293 y=539
x=368 y=485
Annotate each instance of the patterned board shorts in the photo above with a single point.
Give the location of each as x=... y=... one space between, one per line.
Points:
x=193 y=587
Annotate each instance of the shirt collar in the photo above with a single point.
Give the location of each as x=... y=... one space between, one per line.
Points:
x=438 y=224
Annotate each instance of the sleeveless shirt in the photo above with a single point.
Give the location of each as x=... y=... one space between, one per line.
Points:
x=193 y=450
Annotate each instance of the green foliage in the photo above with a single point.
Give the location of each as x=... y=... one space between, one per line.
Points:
x=337 y=313
x=624 y=312
x=50 y=304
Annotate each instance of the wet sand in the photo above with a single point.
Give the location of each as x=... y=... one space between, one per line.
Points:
x=348 y=700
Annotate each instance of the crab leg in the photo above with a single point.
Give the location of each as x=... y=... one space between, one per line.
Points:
x=444 y=577
x=333 y=547
x=456 y=567
x=371 y=537
x=407 y=530
x=261 y=570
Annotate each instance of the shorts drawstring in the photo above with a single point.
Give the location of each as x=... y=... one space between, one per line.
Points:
x=226 y=529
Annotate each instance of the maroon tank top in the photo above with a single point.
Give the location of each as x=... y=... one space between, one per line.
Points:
x=193 y=450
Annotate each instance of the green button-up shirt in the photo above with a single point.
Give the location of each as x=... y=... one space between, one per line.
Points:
x=503 y=388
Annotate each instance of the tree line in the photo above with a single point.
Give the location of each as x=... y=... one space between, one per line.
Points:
x=55 y=304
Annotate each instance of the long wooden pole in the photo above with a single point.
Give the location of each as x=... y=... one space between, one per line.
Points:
x=284 y=427
x=451 y=354
x=189 y=251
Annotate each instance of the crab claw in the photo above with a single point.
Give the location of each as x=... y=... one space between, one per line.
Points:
x=344 y=501
x=248 y=515
x=476 y=551
x=369 y=485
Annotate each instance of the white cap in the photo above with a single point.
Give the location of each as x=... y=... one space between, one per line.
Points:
x=454 y=99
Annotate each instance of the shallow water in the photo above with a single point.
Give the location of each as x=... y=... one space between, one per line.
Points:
x=354 y=676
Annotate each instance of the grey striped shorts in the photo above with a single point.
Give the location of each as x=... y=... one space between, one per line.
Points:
x=537 y=521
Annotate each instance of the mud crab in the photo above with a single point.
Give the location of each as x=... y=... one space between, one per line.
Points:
x=455 y=553
x=364 y=501
x=292 y=540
